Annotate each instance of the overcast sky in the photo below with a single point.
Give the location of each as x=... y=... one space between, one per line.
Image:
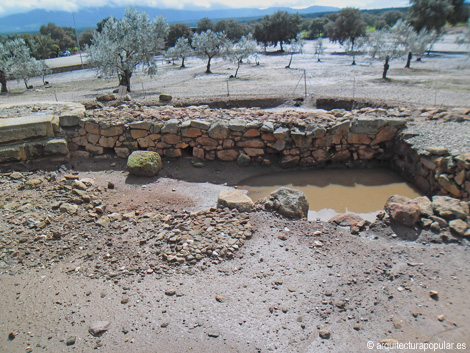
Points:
x=13 y=6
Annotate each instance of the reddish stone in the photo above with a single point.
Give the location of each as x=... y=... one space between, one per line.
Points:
x=173 y=152
x=136 y=134
x=227 y=155
x=320 y=156
x=403 y=210
x=251 y=144
x=206 y=141
x=171 y=139
x=191 y=132
x=267 y=137
x=253 y=152
x=198 y=153
x=252 y=133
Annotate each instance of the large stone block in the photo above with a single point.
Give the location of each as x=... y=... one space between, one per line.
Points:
x=28 y=127
x=235 y=199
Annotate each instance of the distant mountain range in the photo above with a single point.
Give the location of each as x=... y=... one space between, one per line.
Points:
x=88 y=17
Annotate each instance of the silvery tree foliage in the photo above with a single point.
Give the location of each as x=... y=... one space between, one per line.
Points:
x=209 y=45
x=294 y=46
x=182 y=49
x=16 y=62
x=412 y=42
x=128 y=43
x=242 y=50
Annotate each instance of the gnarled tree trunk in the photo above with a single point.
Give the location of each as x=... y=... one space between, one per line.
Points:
x=208 y=69
x=125 y=79
x=408 y=60
x=386 y=67
x=3 y=81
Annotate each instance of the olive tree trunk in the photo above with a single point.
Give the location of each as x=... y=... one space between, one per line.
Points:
x=386 y=67
x=3 y=81
x=125 y=79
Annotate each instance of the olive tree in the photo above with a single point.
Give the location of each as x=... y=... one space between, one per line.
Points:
x=242 y=50
x=16 y=62
x=295 y=46
x=182 y=49
x=209 y=45
x=384 y=45
x=412 y=42
x=128 y=43
x=319 y=48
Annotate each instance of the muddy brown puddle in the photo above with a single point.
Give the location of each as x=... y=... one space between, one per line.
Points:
x=335 y=191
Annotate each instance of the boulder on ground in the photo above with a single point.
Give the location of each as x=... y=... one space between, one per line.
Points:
x=288 y=202
x=235 y=199
x=144 y=163
x=403 y=210
x=450 y=208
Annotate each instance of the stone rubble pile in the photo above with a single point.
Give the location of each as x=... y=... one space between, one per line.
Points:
x=436 y=214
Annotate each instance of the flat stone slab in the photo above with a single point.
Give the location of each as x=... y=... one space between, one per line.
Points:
x=235 y=199
x=33 y=150
x=26 y=127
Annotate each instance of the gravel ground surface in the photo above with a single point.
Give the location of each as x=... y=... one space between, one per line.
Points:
x=447 y=134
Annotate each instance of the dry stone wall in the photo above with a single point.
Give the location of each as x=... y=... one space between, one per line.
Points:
x=315 y=140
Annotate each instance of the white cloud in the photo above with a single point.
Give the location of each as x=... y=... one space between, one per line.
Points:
x=12 y=6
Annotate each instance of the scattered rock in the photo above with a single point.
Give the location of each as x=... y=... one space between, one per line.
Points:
x=213 y=334
x=68 y=208
x=324 y=334
x=144 y=163
x=403 y=210
x=71 y=340
x=97 y=328
x=220 y=298
x=235 y=199
x=458 y=226
x=288 y=202
x=346 y=219
x=170 y=292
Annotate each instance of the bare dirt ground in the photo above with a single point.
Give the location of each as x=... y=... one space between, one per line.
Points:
x=292 y=286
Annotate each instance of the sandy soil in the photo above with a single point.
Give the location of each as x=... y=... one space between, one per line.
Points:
x=440 y=79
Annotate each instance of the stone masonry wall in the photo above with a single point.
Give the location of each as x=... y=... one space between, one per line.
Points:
x=299 y=143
